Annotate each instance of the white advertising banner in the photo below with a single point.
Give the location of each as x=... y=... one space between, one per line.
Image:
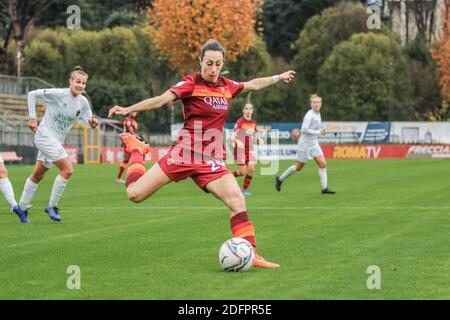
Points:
x=344 y=132
x=420 y=132
x=276 y=152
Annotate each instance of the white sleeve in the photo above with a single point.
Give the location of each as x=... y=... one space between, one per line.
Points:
x=86 y=113
x=32 y=96
x=306 y=123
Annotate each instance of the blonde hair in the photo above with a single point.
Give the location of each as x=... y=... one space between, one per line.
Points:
x=313 y=96
x=78 y=70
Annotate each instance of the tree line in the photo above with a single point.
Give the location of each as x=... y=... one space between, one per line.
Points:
x=361 y=74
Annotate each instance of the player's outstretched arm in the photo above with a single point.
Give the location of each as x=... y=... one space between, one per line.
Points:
x=148 y=104
x=261 y=83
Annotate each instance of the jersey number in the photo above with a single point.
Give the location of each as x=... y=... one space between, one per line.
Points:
x=215 y=165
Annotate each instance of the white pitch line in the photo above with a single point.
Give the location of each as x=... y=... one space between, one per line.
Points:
x=98 y=230
x=256 y=208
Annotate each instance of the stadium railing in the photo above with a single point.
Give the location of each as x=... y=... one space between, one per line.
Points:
x=21 y=85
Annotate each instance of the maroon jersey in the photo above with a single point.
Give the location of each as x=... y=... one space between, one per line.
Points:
x=130 y=125
x=245 y=131
x=205 y=110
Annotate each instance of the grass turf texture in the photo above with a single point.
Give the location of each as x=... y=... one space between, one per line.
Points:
x=389 y=213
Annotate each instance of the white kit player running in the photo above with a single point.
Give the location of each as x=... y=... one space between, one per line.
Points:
x=64 y=108
x=308 y=145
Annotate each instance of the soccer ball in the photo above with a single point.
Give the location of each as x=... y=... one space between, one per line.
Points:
x=237 y=255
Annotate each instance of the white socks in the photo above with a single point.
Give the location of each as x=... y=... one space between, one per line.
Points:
x=322 y=173
x=323 y=178
x=8 y=192
x=289 y=172
x=30 y=188
x=28 y=192
x=58 y=188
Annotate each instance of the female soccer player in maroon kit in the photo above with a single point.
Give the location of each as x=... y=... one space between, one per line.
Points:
x=198 y=152
x=243 y=135
x=130 y=125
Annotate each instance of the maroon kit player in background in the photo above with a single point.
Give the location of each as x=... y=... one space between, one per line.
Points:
x=130 y=125
x=198 y=152
x=245 y=131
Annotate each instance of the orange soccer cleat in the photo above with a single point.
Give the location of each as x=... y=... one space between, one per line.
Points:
x=131 y=143
x=260 y=262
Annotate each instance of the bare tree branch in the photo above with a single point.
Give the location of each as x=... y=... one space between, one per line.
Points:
x=22 y=15
x=423 y=11
x=41 y=6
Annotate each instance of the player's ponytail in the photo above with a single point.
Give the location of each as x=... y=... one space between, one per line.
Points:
x=78 y=70
x=248 y=101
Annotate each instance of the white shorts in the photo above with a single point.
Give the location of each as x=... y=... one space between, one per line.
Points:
x=305 y=151
x=1 y=159
x=50 y=150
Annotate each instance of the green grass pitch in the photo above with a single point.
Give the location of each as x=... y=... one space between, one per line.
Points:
x=394 y=214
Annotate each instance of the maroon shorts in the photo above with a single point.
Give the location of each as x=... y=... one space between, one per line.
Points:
x=202 y=172
x=244 y=157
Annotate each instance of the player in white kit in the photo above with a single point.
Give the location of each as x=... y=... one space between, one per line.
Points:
x=64 y=108
x=308 y=145
x=8 y=192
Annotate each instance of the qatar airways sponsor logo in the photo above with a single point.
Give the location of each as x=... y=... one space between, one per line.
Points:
x=249 y=132
x=216 y=103
x=429 y=149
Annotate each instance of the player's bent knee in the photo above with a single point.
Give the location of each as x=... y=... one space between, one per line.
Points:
x=66 y=174
x=134 y=195
x=36 y=177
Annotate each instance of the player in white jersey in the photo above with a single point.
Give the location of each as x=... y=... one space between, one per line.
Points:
x=64 y=108
x=308 y=145
x=8 y=192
